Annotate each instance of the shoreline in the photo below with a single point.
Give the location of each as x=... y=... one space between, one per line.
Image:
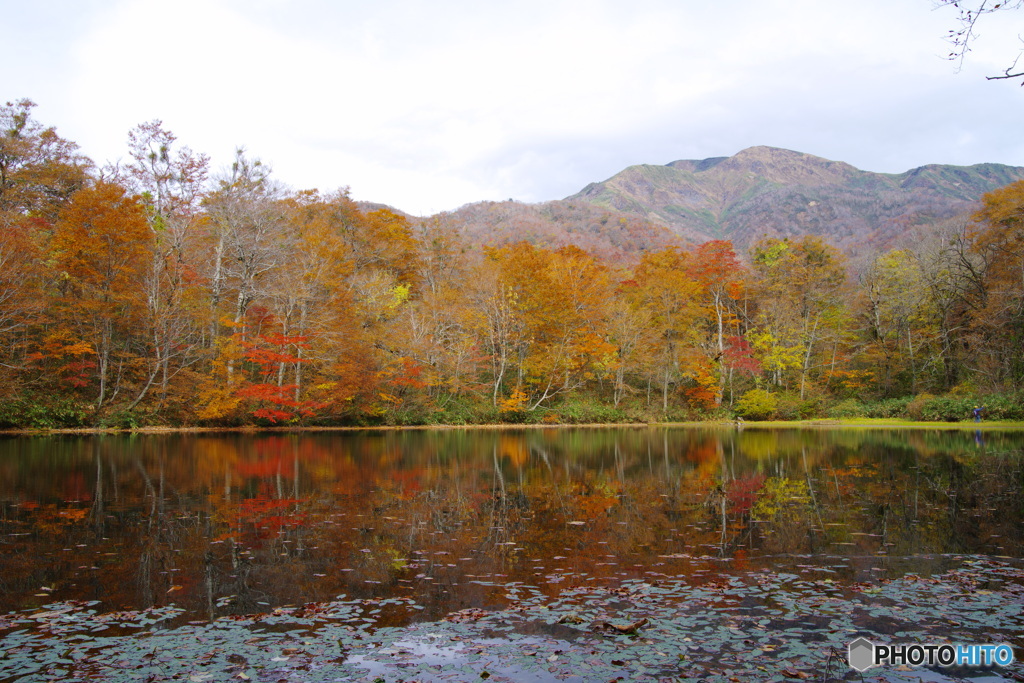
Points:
x=822 y=423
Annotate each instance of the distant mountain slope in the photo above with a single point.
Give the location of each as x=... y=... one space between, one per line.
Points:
x=776 y=192
x=606 y=232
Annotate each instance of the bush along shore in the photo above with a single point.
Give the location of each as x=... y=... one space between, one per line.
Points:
x=756 y=405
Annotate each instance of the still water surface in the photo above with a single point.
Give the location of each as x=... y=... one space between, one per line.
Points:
x=243 y=523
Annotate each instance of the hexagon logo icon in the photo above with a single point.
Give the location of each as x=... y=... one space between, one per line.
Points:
x=861 y=654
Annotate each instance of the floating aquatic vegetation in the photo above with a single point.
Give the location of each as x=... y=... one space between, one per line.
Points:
x=756 y=625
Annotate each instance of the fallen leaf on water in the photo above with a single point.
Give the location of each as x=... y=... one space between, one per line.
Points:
x=621 y=628
x=793 y=673
x=48 y=615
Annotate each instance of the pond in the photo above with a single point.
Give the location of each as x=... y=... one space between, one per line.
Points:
x=547 y=535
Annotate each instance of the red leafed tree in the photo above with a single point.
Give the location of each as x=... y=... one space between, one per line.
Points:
x=403 y=381
x=740 y=356
x=275 y=401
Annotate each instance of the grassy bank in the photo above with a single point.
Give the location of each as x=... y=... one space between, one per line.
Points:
x=898 y=423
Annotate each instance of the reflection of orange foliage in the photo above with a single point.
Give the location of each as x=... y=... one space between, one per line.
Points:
x=513 y=447
x=218 y=456
x=594 y=506
x=706 y=453
x=593 y=502
x=49 y=519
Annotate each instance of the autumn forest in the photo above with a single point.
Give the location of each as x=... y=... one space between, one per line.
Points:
x=158 y=291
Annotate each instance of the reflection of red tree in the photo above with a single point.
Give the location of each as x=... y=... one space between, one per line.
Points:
x=264 y=517
x=275 y=456
x=742 y=492
x=74 y=487
x=741 y=560
x=261 y=469
x=273 y=446
x=408 y=481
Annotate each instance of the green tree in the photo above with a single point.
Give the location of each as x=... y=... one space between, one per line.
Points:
x=802 y=313
x=900 y=320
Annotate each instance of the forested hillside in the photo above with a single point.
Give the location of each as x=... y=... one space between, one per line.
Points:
x=157 y=293
x=764 y=191
x=608 y=233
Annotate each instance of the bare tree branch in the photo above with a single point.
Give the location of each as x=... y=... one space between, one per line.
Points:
x=961 y=38
x=1007 y=74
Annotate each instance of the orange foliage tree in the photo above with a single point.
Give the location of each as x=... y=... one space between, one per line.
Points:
x=547 y=319
x=100 y=249
x=998 y=298
x=667 y=290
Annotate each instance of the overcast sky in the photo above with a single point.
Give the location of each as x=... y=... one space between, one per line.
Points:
x=428 y=105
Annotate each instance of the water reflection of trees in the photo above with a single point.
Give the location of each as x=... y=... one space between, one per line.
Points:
x=243 y=523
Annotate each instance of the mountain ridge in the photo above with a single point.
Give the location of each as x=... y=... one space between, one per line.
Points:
x=757 y=192
x=780 y=193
